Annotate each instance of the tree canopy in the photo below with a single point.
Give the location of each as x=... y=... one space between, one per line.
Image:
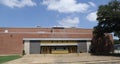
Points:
x=108 y=17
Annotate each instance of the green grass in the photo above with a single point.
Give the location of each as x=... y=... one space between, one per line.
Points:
x=8 y=58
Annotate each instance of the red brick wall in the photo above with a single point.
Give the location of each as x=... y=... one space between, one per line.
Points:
x=12 y=42
x=72 y=30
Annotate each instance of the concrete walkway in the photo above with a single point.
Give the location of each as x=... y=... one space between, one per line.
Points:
x=82 y=58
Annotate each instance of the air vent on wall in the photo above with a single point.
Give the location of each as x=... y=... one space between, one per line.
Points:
x=6 y=31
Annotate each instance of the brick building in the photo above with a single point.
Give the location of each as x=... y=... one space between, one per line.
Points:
x=44 y=40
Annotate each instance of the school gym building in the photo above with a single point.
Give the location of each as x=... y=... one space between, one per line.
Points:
x=44 y=40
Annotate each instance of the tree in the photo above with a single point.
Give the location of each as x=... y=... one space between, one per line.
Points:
x=101 y=42
x=108 y=17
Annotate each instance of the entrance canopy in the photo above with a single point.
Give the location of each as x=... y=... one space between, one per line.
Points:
x=56 y=39
x=58 y=44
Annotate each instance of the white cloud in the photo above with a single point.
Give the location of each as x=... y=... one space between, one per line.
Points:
x=67 y=6
x=17 y=3
x=69 y=22
x=92 y=4
x=92 y=16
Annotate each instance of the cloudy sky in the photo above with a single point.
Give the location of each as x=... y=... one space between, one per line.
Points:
x=49 y=13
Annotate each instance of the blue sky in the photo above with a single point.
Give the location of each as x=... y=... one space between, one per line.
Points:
x=49 y=13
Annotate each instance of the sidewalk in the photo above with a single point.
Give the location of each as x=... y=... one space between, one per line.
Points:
x=82 y=58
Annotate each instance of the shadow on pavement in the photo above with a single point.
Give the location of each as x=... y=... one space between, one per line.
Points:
x=112 y=54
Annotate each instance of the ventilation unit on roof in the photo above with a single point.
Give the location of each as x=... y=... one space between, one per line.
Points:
x=38 y=26
x=58 y=27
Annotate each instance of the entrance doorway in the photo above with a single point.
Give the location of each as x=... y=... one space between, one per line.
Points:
x=58 y=49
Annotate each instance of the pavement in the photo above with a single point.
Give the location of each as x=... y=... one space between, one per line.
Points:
x=81 y=58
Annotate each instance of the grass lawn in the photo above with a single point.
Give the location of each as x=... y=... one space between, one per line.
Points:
x=8 y=58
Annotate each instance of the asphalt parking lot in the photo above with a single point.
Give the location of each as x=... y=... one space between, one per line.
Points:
x=81 y=58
